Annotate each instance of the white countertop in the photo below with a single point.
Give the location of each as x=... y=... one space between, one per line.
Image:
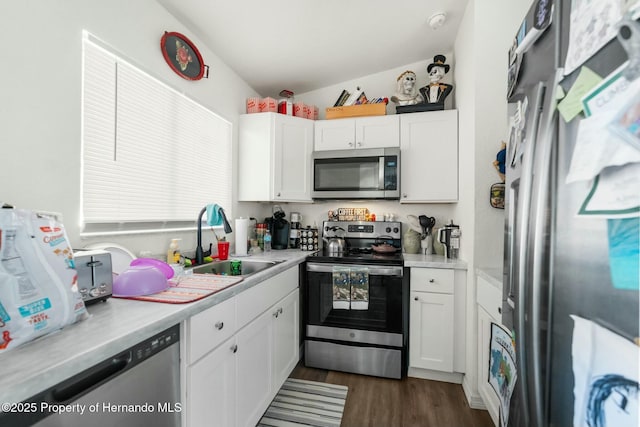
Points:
x=433 y=261
x=491 y=275
x=112 y=327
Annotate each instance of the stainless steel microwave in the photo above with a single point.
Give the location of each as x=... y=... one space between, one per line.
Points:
x=356 y=174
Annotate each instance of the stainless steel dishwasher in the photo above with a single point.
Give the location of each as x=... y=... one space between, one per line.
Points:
x=137 y=387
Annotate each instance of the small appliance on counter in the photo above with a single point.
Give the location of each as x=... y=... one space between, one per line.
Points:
x=95 y=275
x=279 y=228
x=449 y=236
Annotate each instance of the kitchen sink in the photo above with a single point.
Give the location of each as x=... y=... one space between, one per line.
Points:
x=247 y=268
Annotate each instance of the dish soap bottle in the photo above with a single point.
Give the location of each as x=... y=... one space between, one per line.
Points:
x=267 y=240
x=173 y=253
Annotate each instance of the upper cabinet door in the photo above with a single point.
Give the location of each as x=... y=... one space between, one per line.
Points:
x=292 y=160
x=378 y=131
x=336 y=134
x=429 y=154
x=274 y=158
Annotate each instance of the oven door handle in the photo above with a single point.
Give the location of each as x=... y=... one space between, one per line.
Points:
x=374 y=270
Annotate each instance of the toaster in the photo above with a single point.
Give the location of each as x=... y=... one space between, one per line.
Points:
x=95 y=277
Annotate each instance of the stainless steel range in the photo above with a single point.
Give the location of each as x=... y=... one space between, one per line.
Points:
x=357 y=301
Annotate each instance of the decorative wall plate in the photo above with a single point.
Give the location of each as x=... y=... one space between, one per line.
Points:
x=183 y=57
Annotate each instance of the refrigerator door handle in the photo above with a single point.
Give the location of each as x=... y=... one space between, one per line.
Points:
x=520 y=253
x=540 y=229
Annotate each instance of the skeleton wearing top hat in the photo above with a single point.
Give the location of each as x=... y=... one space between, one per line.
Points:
x=436 y=91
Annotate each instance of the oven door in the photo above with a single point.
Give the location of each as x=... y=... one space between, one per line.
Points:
x=381 y=323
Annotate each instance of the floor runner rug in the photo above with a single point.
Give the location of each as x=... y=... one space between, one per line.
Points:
x=306 y=403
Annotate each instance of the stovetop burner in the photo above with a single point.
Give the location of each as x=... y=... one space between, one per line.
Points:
x=359 y=237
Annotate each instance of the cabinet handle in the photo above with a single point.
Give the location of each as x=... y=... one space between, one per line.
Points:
x=278 y=195
x=404 y=195
x=431 y=280
x=415 y=298
x=219 y=325
x=280 y=310
x=234 y=348
x=359 y=144
x=351 y=144
x=499 y=310
x=276 y=313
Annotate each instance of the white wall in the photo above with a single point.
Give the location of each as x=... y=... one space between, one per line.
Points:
x=481 y=75
x=40 y=109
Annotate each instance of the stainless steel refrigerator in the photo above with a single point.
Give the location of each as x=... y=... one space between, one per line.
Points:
x=557 y=264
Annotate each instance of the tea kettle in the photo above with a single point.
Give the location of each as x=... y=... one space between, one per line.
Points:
x=334 y=245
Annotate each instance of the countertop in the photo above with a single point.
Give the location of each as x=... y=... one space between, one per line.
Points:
x=112 y=327
x=491 y=275
x=433 y=261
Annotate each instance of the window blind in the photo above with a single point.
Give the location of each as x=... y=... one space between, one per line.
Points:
x=150 y=154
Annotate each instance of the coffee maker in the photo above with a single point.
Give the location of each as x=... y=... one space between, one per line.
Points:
x=279 y=228
x=449 y=236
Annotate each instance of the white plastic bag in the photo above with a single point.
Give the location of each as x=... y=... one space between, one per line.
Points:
x=38 y=282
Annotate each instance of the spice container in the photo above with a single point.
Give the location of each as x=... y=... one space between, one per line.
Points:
x=309 y=239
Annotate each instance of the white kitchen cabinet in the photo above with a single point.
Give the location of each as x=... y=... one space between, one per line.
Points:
x=489 y=300
x=437 y=323
x=429 y=155
x=211 y=395
x=357 y=133
x=274 y=158
x=286 y=336
x=233 y=383
x=431 y=336
x=254 y=370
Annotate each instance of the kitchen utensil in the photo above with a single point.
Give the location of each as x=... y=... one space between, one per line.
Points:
x=383 y=248
x=152 y=262
x=414 y=223
x=139 y=280
x=335 y=245
x=95 y=277
x=427 y=245
x=427 y=223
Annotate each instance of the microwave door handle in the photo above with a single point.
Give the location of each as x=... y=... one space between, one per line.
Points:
x=381 y=173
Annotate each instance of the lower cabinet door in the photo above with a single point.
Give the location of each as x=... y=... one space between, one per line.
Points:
x=431 y=331
x=286 y=347
x=254 y=370
x=487 y=393
x=211 y=392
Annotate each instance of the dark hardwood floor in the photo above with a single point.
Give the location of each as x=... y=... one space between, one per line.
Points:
x=411 y=402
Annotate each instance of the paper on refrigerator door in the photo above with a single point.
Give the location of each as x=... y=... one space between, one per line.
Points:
x=605 y=370
x=502 y=373
x=597 y=147
x=615 y=193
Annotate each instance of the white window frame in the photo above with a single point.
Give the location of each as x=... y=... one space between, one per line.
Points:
x=152 y=157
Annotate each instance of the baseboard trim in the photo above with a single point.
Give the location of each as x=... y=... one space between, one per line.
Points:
x=473 y=399
x=427 y=374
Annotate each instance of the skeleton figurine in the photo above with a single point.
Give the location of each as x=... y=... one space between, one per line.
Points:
x=406 y=90
x=435 y=92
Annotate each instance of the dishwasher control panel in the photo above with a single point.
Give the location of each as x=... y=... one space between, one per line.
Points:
x=155 y=344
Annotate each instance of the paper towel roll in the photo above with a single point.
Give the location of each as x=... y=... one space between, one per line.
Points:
x=241 y=230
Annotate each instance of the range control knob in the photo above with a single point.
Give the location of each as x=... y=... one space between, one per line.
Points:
x=396 y=230
x=388 y=229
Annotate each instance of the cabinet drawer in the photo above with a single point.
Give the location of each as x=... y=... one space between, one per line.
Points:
x=437 y=280
x=254 y=301
x=210 y=328
x=490 y=298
